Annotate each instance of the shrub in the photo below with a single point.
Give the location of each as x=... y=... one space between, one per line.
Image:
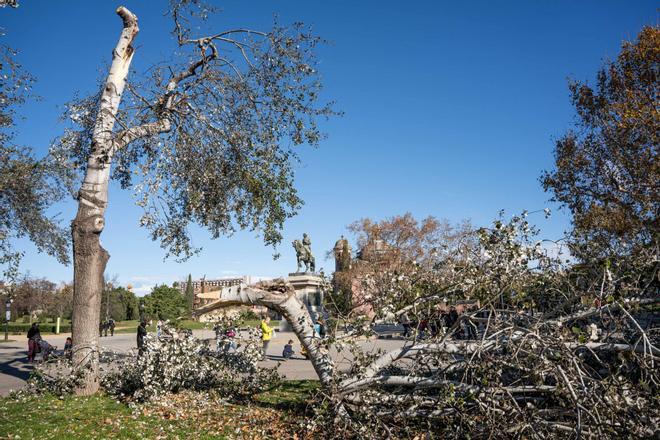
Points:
x=248 y=315
x=23 y=328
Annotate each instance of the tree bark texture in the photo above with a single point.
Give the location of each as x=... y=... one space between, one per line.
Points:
x=89 y=257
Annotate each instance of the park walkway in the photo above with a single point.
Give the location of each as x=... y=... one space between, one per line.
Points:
x=14 y=369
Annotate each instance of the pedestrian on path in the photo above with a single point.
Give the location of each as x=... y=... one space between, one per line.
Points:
x=141 y=333
x=266 y=335
x=33 y=335
x=405 y=322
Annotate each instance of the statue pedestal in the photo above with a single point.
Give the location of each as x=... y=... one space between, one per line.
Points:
x=309 y=292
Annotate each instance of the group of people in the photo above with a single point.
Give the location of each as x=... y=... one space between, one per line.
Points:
x=105 y=326
x=438 y=322
x=226 y=337
x=36 y=345
x=288 y=351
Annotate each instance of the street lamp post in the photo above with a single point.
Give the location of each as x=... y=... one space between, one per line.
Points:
x=7 y=317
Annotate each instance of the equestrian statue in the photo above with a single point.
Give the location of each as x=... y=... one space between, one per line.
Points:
x=304 y=253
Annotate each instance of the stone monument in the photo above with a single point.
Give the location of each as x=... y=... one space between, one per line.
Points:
x=308 y=284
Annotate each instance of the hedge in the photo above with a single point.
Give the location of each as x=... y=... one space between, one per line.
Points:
x=43 y=328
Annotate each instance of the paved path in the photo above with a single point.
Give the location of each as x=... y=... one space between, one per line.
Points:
x=14 y=369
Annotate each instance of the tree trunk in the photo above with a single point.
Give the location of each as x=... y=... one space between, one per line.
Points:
x=89 y=258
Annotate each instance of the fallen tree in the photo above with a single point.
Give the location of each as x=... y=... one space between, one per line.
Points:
x=591 y=371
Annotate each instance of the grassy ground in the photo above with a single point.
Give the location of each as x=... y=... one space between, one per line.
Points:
x=273 y=414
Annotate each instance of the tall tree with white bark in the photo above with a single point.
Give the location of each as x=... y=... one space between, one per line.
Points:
x=210 y=138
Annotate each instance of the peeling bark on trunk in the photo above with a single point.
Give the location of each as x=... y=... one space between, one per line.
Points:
x=280 y=296
x=89 y=258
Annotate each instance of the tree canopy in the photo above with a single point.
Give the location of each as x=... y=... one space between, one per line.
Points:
x=210 y=137
x=165 y=302
x=607 y=171
x=28 y=186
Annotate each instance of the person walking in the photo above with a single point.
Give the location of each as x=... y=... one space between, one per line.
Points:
x=405 y=322
x=33 y=335
x=266 y=335
x=111 y=326
x=141 y=333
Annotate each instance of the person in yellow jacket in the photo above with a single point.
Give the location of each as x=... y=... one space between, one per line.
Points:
x=266 y=335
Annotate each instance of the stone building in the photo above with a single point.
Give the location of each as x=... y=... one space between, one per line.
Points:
x=208 y=291
x=204 y=285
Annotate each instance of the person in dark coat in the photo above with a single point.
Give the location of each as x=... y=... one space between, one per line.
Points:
x=33 y=335
x=453 y=318
x=141 y=333
x=287 y=353
x=68 y=348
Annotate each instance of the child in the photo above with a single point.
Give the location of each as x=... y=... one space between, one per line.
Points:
x=68 y=345
x=288 y=350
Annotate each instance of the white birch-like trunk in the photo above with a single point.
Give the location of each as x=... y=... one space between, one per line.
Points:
x=89 y=258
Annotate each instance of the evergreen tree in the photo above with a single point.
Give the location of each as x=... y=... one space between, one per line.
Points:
x=190 y=293
x=164 y=302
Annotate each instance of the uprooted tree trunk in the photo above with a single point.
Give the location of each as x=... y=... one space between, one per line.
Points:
x=280 y=296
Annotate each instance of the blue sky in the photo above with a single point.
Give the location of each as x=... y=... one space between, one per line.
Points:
x=450 y=110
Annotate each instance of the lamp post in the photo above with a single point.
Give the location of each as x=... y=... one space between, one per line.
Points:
x=7 y=316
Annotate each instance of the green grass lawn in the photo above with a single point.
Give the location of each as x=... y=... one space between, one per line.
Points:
x=272 y=414
x=131 y=326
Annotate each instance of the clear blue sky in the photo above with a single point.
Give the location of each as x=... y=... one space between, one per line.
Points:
x=450 y=110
